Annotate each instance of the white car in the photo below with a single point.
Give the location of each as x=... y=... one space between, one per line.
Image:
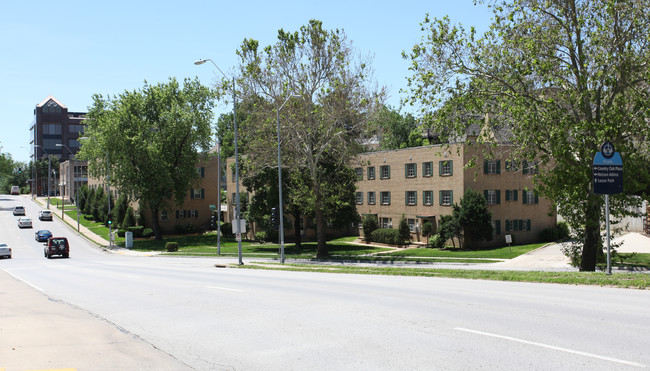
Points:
x=5 y=251
x=19 y=210
x=24 y=222
x=45 y=215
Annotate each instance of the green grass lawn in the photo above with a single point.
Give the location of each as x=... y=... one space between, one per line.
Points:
x=493 y=253
x=97 y=228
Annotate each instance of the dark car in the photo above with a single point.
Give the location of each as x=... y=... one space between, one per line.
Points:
x=43 y=235
x=57 y=246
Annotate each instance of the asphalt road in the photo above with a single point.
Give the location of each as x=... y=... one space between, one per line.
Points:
x=211 y=318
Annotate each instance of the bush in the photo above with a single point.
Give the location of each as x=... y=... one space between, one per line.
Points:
x=226 y=229
x=387 y=235
x=556 y=233
x=88 y=217
x=171 y=246
x=137 y=231
x=190 y=228
x=147 y=233
x=404 y=230
x=562 y=230
x=437 y=241
x=129 y=219
x=370 y=225
x=121 y=233
x=260 y=236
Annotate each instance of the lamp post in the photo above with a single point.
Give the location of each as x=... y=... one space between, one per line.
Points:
x=218 y=196
x=237 y=201
x=49 y=173
x=280 y=204
x=71 y=185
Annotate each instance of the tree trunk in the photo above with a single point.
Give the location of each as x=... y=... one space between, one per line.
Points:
x=297 y=238
x=156 y=224
x=321 y=250
x=592 y=234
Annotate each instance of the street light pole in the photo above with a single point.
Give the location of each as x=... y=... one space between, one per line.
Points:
x=218 y=196
x=280 y=203
x=70 y=184
x=237 y=201
x=49 y=173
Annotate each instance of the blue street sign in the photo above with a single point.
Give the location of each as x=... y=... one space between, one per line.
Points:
x=608 y=170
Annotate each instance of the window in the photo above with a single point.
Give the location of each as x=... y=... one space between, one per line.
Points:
x=193 y=214
x=51 y=129
x=492 y=167
x=411 y=170
x=446 y=198
x=180 y=214
x=518 y=225
x=359 y=197
x=163 y=216
x=385 y=172
x=385 y=198
x=233 y=175
x=427 y=169
x=512 y=165
x=529 y=197
x=51 y=107
x=411 y=198
x=371 y=172
x=201 y=171
x=76 y=128
x=427 y=197
x=446 y=168
x=530 y=168
x=73 y=143
x=371 y=198
x=386 y=222
x=411 y=223
x=492 y=197
x=511 y=195
x=197 y=194
x=359 y=171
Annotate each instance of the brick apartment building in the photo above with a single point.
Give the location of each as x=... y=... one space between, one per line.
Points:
x=423 y=183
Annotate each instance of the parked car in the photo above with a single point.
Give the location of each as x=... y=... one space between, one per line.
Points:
x=57 y=246
x=5 y=251
x=15 y=190
x=24 y=222
x=43 y=235
x=19 y=210
x=45 y=215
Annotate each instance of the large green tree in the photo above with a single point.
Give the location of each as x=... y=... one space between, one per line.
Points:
x=154 y=138
x=562 y=76
x=330 y=114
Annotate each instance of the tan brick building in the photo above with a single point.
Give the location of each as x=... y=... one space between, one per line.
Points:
x=423 y=183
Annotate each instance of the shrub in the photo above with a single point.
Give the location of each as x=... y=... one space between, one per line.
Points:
x=121 y=233
x=147 y=232
x=137 y=231
x=226 y=229
x=562 y=230
x=437 y=241
x=190 y=228
x=88 y=217
x=404 y=230
x=179 y=229
x=427 y=229
x=387 y=235
x=370 y=225
x=260 y=236
x=557 y=233
x=171 y=246
x=129 y=219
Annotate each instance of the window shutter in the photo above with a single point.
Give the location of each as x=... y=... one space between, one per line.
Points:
x=507 y=225
x=415 y=198
x=389 y=197
x=485 y=167
x=451 y=197
x=498 y=196
x=536 y=198
x=406 y=198
x=528 y=225
x=406 y=170
x=498 y=226
x=451 y=167
x=523 y=197
x=177 y=214
x=202 y=172
x=507 y=195
x=202 y=192
x=498 y=166
x=515 y=195
x=485 y=194
x=440 y=197
x=388 y=171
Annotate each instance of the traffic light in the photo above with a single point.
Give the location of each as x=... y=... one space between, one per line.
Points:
x=20 y=170
x=275 y=218
x=110 y=219
x=213 y=222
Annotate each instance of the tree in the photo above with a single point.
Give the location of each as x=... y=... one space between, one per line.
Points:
x=120 y=210
x=398 y=131
x=370 y=224
x=331 y=114
x=475 y=218
x=154 y=138
x=450 y=227
x=404 y=230
x=427 y=230
x=562 y=77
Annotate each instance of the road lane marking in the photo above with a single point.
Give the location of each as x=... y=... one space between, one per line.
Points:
x=20 y=279
x=224 y=288
x=592 y=355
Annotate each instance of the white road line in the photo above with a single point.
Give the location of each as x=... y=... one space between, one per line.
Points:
x=552 y=347
x=223 y=288
x=20 y=279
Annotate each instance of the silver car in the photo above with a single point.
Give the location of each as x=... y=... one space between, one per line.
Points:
x=19 y=210
x=24 y=222
x=5 y=251
x=45 y=215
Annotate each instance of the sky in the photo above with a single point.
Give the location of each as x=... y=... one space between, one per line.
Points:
x=74 y=49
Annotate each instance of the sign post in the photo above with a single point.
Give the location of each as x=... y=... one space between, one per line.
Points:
x=608 y=179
